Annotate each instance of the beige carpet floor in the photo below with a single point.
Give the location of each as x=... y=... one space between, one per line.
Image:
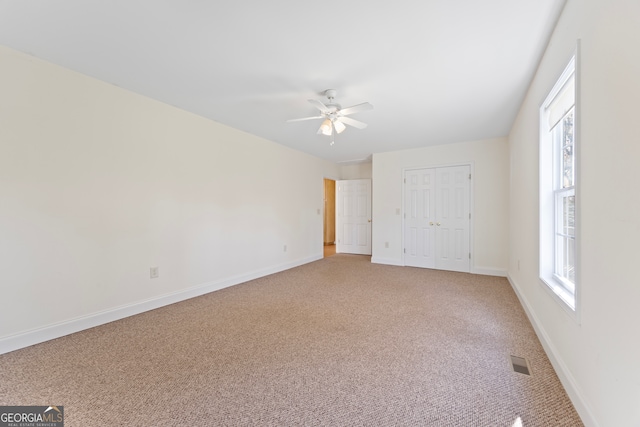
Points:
x=337 y=342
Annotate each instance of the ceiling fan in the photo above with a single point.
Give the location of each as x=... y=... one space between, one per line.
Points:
x=335 y=116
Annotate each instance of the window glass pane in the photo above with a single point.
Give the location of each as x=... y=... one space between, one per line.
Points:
x=569 y=260
x=566 y=260
x=569 y=215
x=567 y=150
x=567 y=166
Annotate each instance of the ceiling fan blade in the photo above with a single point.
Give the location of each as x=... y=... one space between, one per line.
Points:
x=355 y=108
x=319 y=105
x=304 y=118
x=351 y=122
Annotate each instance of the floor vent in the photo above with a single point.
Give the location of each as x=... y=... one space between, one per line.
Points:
x=520 y=365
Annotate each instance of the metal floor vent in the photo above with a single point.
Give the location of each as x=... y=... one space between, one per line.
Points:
x=520 y=365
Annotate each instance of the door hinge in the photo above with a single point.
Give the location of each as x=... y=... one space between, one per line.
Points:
x=405 y=250
x=469 y=215
x=469 y=255
x=469 y=176
x=405 y=180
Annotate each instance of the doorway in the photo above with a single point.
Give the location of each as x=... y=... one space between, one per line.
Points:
x=329 y=226
x=437 y=218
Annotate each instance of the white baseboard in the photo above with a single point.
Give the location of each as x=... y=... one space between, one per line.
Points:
x=489 y=271
x=387 y=261
x=475 y=270
x=60 y=329
x=567 y=380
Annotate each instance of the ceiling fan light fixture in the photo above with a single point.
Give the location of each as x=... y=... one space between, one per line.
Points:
x=326 y=127
x=340 y=127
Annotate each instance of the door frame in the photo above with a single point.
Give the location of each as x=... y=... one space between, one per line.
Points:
x=471 y=205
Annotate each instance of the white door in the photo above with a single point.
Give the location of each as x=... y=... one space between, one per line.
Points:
x=452 y=218
x=353 y=216
x=437 y=218
x=420 y=212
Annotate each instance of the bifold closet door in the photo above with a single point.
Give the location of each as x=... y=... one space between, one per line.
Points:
x=453 y=218
x=437 y=218
x=419 y=218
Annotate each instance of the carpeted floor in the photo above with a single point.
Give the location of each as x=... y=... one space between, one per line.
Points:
x=338 y=342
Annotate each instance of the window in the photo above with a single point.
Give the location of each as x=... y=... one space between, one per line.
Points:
x=558 y=179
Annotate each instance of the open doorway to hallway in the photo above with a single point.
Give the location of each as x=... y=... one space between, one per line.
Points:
x=329 y=233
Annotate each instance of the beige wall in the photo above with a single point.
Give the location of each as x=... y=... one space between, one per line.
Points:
x=98 y=184
x=489 y=160
x=356 y=171
x=597 y=356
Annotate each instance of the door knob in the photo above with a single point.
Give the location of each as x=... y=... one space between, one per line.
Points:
x=438 y=224
x=430 y=222
x=368 y=220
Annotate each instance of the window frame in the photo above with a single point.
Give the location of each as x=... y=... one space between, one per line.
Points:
x=552 y=193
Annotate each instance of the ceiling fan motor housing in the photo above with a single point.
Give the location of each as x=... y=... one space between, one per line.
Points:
x=332 y=106
x=330 y=93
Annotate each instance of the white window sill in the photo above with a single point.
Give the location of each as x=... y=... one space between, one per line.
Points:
x=566 y=299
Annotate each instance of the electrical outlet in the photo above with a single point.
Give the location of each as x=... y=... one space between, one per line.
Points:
x=285 y=248
x=386 y=245
x=518 y=265
x=397 y=211
x=154 y=272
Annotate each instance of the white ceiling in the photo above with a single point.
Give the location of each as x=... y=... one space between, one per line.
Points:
x=436 y=71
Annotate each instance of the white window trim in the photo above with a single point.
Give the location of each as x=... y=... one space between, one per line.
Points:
x=551 y=282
